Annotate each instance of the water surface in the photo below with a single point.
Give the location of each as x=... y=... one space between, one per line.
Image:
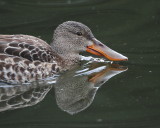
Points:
x=129 y=99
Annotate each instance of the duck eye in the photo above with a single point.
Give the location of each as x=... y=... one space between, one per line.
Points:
x=79 y=33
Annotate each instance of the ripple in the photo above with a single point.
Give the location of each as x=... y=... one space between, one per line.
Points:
x=58 y=3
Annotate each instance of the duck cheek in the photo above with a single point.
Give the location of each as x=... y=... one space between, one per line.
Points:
x=82 y=48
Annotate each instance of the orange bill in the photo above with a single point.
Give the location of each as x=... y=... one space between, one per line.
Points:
x=100 y=49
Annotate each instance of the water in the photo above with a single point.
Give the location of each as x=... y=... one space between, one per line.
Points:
x=128 y=99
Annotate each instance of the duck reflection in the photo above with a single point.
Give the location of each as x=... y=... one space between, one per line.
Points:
x=75 y=92
x=21 y=96
x=24 y=95
x=74 y=89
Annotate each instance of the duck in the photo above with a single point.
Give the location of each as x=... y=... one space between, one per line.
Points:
x=25 y=58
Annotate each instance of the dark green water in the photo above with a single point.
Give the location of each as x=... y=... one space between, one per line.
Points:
x=131 y=27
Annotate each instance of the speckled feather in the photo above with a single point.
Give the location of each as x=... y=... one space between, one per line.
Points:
x=26 y=58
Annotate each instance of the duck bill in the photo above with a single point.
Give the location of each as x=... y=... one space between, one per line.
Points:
x=98 y=48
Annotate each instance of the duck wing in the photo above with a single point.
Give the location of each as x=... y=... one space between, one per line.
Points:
x=28 y=47
x=26 y=58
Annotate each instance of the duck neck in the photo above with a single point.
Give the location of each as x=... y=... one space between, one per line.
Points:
x=69 y=57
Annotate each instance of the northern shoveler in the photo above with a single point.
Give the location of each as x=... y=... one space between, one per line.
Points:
x=25 y=58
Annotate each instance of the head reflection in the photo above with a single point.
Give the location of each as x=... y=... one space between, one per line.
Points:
x=75 y=90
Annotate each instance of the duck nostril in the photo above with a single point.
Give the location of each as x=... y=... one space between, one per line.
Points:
x=97 y=42
x=101 y=45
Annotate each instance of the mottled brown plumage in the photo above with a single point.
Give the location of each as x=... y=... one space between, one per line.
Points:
x=26 y=58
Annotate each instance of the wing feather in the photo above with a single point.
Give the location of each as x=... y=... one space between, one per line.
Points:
x=27 y=47
x=26 y=58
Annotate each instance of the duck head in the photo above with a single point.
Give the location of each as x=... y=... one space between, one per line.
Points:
x=70 y=38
